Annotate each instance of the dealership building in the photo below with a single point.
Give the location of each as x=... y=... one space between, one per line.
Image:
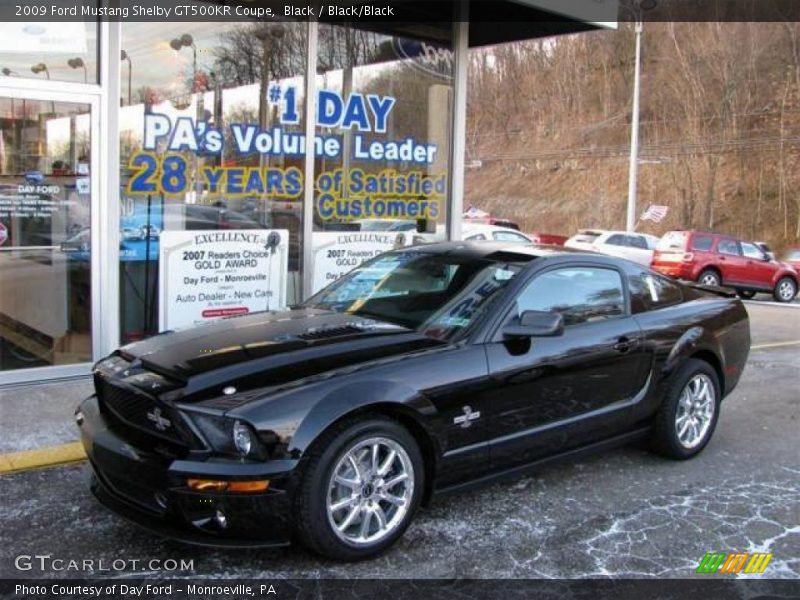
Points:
x=162 y=173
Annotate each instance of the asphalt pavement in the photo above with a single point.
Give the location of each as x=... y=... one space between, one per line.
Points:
x=624 y=513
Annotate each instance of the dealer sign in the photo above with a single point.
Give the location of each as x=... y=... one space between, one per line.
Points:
x=207 y=275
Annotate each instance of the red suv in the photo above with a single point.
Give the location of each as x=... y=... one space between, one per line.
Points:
x=716 y=259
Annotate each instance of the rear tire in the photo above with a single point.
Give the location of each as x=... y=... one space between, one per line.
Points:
x=785 y=290
x=689 y=411
x=343 y=486
x=710 y=277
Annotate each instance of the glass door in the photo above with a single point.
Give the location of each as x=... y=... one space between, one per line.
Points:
x=48 y=184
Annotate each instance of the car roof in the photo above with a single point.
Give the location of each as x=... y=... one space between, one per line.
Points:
x=501 y=250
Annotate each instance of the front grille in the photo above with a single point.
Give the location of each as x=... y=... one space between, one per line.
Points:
x=142 y=416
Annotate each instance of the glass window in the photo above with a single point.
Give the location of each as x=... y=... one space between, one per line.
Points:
x=672 y=240
x=617 y=240
x=386 y=109
x=580 y=294
x=438 y=295
x=244 y=81
x=45 y=235
x=726 y=246
x=478 y=237
x=752 y=251
x=510 y=236
x=637 y=241
x=660 y=291
x=702 y=243
x=61 y=51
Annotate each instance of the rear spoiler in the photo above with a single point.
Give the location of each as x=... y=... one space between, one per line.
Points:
x=713 y=289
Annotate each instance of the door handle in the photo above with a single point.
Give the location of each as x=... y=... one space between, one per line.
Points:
x=624 y=345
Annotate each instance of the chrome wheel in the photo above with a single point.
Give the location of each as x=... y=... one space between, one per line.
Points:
x=695 y=413
x=710 y=278
x=370 y=491
x=786 y=290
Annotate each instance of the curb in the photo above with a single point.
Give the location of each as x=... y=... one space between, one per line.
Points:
x=52 y=456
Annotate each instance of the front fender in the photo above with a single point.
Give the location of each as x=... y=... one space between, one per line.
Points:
x=298 y=417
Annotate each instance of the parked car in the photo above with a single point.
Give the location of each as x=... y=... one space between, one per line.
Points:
x=637 y=247
x=475 y=232
x=717 y=259
x=548 y=239
x=421 y=372
x=584 y=239
x=792 y=257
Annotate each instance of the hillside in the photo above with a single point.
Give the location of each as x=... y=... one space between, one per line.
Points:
x=548 y=129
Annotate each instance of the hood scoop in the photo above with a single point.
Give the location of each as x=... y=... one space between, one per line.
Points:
x=324 y=333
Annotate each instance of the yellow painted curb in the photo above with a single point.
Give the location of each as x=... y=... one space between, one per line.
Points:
x=51 y=456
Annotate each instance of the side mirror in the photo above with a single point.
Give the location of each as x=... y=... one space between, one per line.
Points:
x=767 y=257
x=535 y=323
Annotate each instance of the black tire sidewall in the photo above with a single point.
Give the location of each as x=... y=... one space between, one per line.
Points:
x=665 y=437
x=318 y=532
x=776 y=293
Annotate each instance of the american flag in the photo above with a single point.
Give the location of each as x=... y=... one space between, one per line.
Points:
x=655 y=213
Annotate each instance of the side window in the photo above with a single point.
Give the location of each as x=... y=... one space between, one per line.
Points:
x=478 y=237
x=702 y=243
x=616 y=240
x=507 y=236
x=725 y=246
x=752 y=251
x=580 y=294
x=637 y=241
x=660 y=291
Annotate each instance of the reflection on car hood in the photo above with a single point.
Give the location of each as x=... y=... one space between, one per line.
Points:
x=276 y=346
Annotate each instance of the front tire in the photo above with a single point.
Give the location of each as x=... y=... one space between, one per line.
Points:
x=360 y=488
x=689 y=411
x=785 y=290
x=746 y=294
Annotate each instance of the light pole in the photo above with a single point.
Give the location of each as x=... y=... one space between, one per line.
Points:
x=125 y=56
x=633 y=169
x=177 y=44
x=77 y=63
x=267 y=35
x=42 y=68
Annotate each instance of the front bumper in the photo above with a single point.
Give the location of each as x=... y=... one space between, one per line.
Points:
x=150 y=490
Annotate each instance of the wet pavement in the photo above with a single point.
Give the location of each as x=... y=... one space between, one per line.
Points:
x=622 y=513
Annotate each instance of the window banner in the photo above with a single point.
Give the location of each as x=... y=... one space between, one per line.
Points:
x=206 y=275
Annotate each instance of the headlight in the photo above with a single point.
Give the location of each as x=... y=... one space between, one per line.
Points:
x=229 y=436
x=242 y=438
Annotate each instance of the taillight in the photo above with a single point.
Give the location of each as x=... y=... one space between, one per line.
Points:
x=688 y=257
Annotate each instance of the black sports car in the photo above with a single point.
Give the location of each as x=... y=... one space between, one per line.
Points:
x=419 y=373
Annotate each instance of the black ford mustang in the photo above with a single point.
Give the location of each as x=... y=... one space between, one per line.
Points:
x=423 y=371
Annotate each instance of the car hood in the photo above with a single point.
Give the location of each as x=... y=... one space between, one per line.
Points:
x=271 y=347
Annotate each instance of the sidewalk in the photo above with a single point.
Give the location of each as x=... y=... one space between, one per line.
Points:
x=37 y=427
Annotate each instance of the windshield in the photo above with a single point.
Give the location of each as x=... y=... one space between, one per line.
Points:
x=440 y=296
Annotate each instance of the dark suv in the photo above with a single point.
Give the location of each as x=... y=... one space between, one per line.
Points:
x=717 y=259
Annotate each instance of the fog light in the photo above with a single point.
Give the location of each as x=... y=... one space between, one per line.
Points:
x=242 y=438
